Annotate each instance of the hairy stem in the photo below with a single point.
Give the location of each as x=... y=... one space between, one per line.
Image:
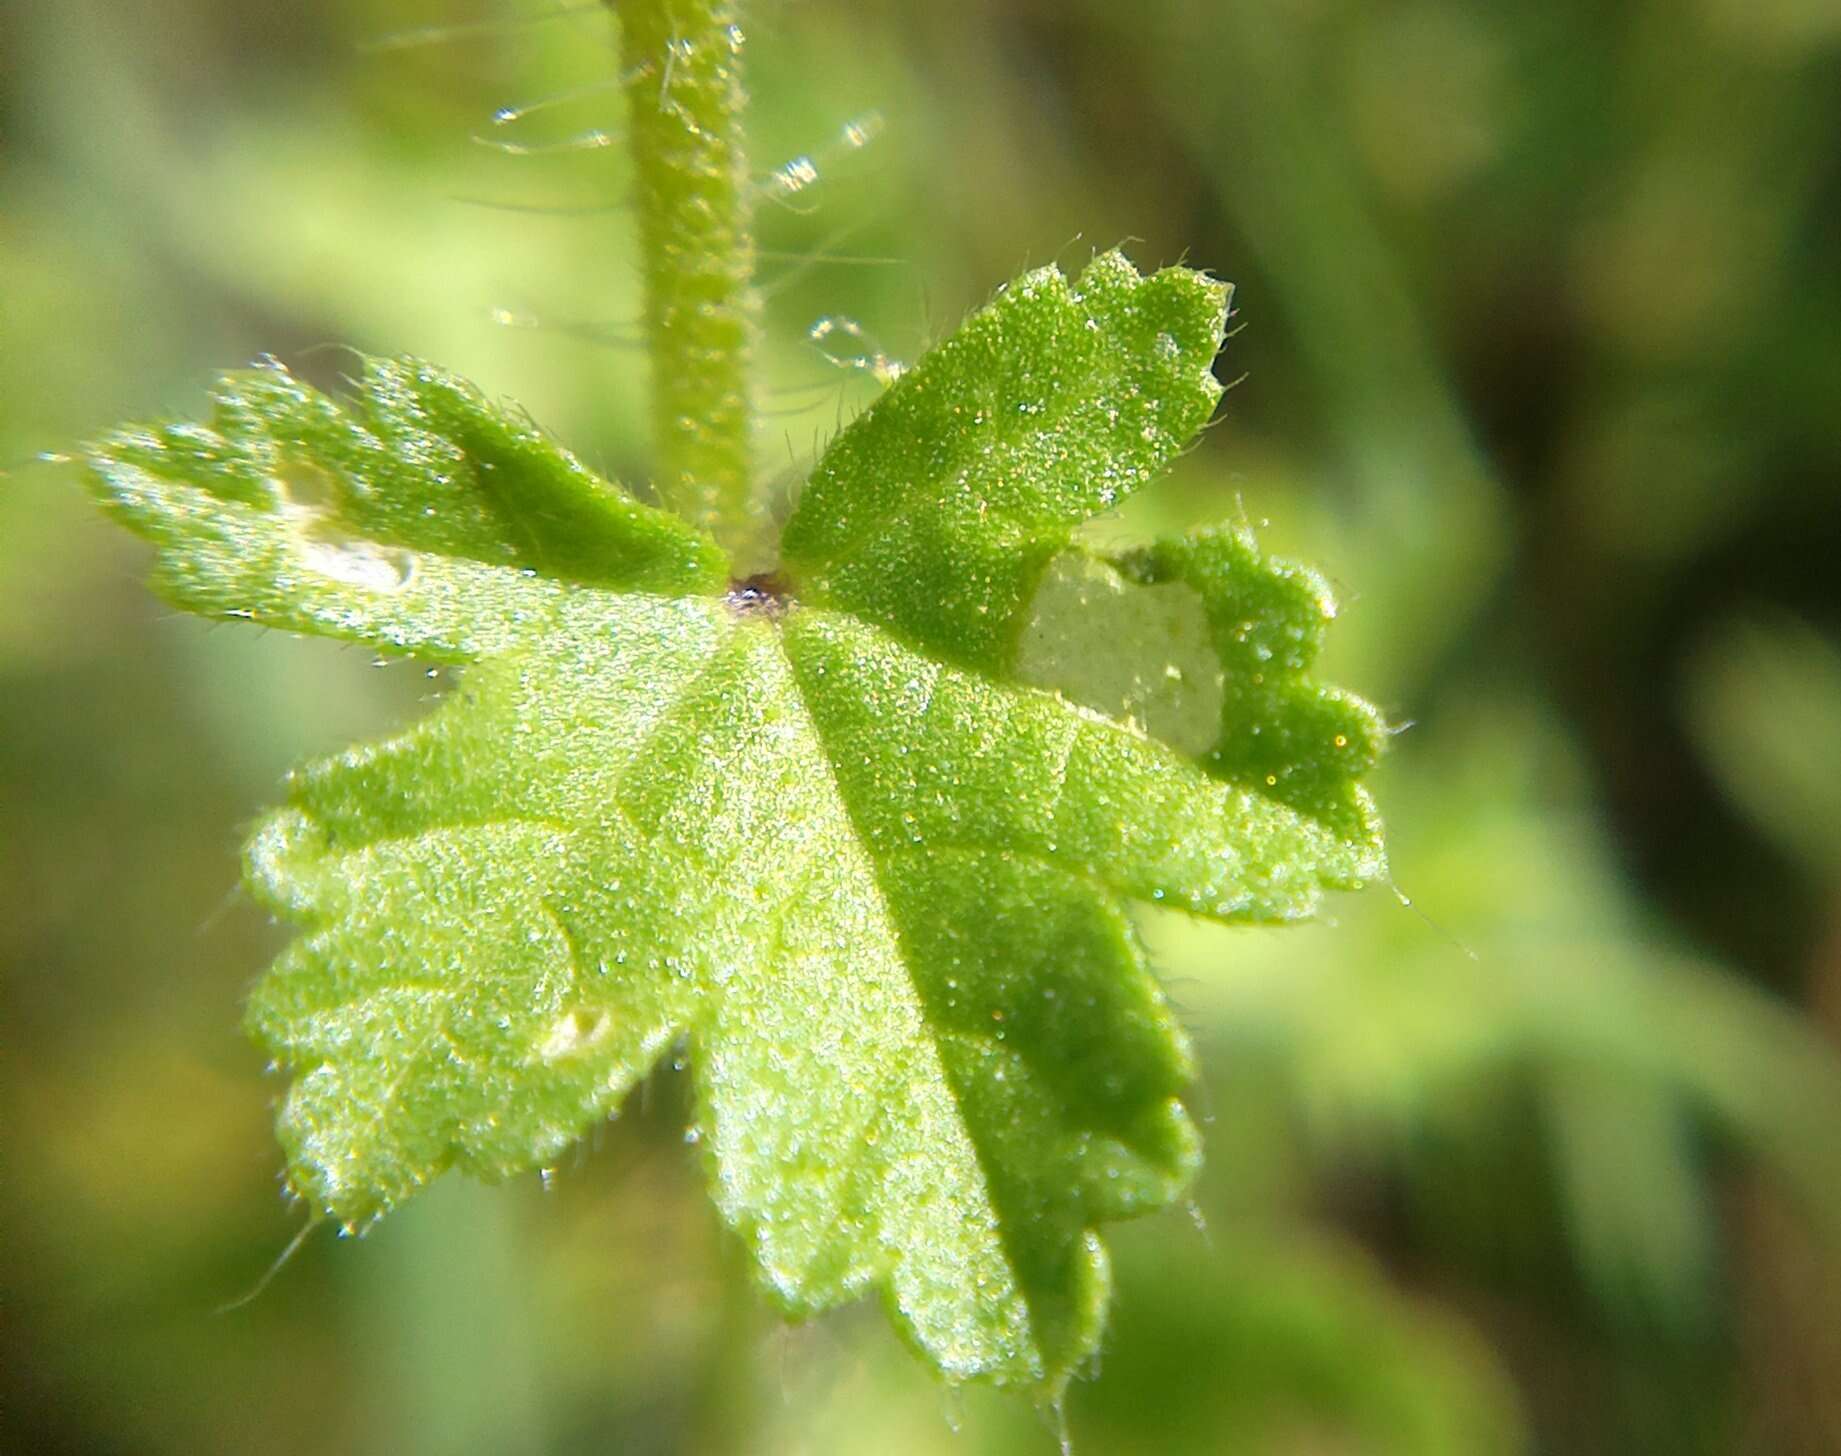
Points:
x=684 y=94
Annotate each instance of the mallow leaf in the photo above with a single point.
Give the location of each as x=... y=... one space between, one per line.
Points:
x=817 y=825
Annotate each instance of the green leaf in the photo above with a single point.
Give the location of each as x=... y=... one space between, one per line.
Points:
x=879 y=883
x=936 y=512
x=417 y=517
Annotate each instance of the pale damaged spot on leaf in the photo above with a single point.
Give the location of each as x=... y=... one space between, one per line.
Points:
x=575 y=1032
x=1141 y=654
x=309 y=500
x=362 y=564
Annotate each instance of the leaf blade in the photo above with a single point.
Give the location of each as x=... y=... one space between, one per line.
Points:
x=879 y=884
x=415 y=516
x=936 y=510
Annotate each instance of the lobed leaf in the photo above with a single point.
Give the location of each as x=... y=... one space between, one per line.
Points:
x=878 y=883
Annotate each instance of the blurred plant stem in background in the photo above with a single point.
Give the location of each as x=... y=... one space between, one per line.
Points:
x=447 y=1323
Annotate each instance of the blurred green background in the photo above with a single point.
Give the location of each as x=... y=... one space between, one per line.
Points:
x=1540 y=359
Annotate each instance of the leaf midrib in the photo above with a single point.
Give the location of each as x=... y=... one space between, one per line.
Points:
x=934 y=1034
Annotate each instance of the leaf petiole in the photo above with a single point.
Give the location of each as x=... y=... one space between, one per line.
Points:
x=685 y=96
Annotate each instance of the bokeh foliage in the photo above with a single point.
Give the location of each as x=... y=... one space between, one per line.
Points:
x=1542 y=344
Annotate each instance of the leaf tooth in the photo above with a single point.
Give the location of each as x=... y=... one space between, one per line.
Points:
x=285 y=869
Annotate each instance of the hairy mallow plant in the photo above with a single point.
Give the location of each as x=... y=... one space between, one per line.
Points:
x=859 y=814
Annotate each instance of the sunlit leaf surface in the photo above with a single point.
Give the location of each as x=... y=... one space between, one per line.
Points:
x=837 y=829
